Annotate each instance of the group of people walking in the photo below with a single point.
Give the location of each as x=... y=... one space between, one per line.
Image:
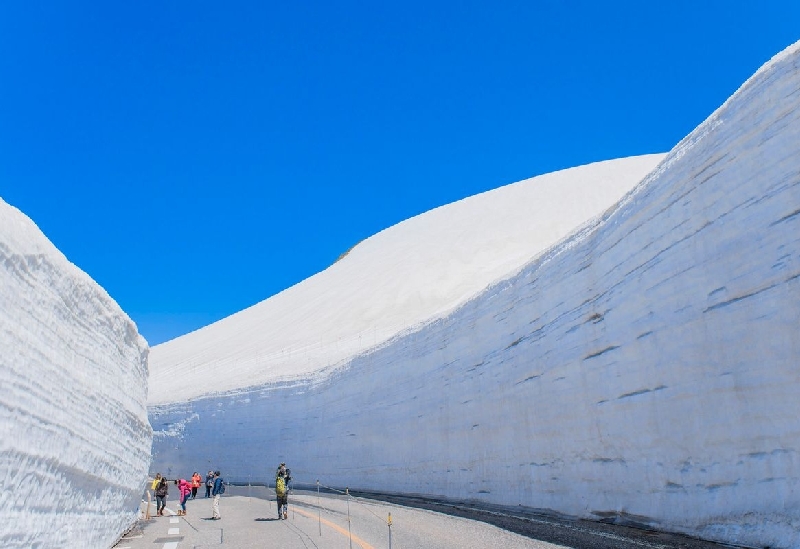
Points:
x=215 y=487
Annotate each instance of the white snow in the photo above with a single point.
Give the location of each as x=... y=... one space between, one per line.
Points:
x=400 y=278
x=75 y=445
x=644 y=368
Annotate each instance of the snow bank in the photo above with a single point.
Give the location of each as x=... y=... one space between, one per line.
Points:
x=643 y=370
x=75 y=445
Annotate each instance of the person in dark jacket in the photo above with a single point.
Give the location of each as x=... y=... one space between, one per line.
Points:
x=209 y=483
x=161 y=496
x=217 y=491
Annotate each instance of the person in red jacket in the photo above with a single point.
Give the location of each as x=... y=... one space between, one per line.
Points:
x=197 y=480
x=185 y=488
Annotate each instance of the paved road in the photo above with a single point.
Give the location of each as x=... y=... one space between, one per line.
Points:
x=249 y=521
x=566 y=532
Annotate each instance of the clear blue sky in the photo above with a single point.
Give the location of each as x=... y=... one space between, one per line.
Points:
x=197 y=157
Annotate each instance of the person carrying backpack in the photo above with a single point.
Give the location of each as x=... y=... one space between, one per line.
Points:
x=217 y=491
x=282 y=478
x=156 y=482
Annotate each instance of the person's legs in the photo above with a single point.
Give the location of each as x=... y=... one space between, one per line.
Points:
x=183 y=502
x=282 y=507
x=215 y=507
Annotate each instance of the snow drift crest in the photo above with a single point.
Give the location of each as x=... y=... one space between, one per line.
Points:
x=396 y=281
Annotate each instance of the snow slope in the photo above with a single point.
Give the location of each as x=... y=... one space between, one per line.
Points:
x=75 y=445
x=643 y=369
x=395 y=281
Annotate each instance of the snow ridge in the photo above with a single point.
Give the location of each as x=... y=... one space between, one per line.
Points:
x=391 y=283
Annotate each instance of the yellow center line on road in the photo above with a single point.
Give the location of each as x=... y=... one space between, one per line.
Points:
x=356 y=539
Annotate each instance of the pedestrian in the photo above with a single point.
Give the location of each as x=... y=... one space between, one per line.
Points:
x=282 y=478
x=197 y=480
x=161 y=496
x=185 y=489
x=217 y=491
x=155 y=483
x=209 y=483
x=151 y=492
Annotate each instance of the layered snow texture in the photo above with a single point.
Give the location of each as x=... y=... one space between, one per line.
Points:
x=75 y=445
x=644 y=369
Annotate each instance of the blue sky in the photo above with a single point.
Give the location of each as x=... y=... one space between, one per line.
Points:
x=198 y=157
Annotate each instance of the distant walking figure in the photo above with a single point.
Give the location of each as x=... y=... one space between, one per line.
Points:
x=161 y=496
x=209 y=483
x=185 y=489
x=197 y=480
x=155 y=482
x=217 y=491
x=282 y=478
x=151 y=492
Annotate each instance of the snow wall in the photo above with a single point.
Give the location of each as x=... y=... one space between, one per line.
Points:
x=75 y=445
x=644 y=370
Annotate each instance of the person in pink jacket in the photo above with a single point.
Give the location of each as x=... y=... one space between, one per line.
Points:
x=185 y=489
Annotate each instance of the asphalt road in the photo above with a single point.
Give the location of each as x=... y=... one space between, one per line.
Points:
x=576 y=534
x=332 y=520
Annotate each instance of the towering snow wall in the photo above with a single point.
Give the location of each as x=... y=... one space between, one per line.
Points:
x=75 y=444
x=645 y=369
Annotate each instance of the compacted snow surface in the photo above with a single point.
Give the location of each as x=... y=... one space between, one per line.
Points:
x=636 y=363
x=75 y=445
